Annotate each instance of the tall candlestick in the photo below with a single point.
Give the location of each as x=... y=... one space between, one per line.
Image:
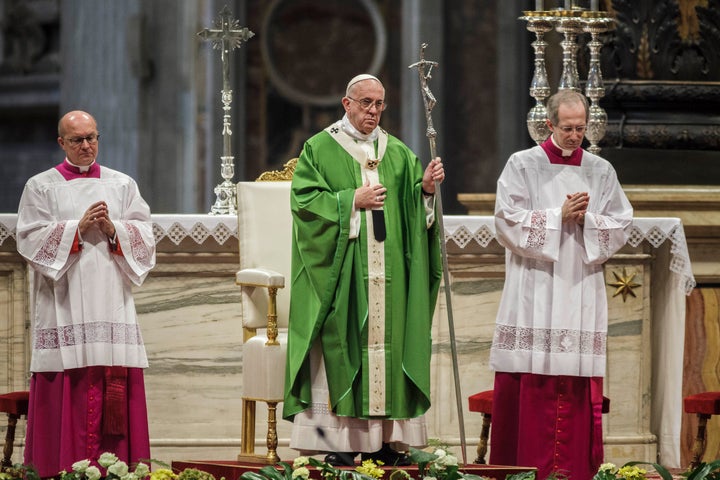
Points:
x=539 y=6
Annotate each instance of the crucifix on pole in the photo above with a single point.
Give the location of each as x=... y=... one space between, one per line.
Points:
x=226 y=36
x=425 y=72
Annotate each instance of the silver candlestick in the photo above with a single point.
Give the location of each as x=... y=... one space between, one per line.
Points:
x=570 y=26
x=595 y=24
x=539 y=86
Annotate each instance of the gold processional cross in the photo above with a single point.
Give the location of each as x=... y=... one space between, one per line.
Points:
x=226 y=37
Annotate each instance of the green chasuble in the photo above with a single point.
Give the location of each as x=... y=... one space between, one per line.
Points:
x=369 y=303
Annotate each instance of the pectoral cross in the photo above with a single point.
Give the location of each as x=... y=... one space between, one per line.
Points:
x=226 y=37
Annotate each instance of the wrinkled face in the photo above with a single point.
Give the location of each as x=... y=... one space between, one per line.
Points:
x=78 y=137
x=365 y=92
x=571 y=125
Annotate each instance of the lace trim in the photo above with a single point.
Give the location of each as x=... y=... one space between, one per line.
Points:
x=603 y=237
x=97 y=332
x=140 y=252
x=549 y=340
x=538 y=230
x=48 y=253
x=320 y=408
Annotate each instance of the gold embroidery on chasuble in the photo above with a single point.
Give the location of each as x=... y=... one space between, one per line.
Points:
x=362 y=153
x=376 y=321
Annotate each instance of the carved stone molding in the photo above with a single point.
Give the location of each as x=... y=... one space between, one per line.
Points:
x=662 y=114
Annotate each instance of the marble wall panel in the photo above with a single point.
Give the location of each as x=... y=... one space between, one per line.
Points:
x=191 y=326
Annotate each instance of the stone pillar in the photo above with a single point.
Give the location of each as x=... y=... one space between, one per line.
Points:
x=422 y=22
x=96 y=75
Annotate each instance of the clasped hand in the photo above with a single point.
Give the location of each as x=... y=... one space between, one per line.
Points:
x=575 y=207
x=97 y=217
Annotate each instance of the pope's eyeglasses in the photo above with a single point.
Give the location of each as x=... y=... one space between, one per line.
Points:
x=366 y=104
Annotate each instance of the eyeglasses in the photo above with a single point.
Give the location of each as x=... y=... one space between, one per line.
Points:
x=366 y=104
x=579 y=129
x=77 y=141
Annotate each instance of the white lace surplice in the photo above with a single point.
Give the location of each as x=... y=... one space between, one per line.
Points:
x=83 y=312
x=552 y=317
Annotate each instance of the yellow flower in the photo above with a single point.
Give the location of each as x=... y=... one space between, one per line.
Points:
x=632 y=473
x=163 y=474
x=369 y=468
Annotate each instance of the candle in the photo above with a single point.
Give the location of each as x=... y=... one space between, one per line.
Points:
x=594 y=5
x=567 y=5
x=539 y=6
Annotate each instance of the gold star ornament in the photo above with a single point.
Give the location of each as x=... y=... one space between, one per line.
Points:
x=624 y=284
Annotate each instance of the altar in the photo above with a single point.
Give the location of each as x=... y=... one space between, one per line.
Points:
x=189 y=313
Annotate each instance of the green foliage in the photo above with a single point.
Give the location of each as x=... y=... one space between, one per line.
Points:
x=705 y=471
x=529 y=475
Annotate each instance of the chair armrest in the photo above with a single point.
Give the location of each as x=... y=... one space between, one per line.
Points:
x=259 y=277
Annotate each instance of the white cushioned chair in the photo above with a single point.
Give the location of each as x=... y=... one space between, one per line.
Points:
x=264 y=230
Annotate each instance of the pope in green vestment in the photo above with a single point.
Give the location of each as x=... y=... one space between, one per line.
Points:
x=369 y=303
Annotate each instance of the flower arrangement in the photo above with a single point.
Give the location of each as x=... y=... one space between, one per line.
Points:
x=630 y=471
x=115 y=470
x=300 y=470
x=439 y=465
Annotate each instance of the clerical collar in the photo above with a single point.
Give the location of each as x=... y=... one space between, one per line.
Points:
x=565 y=153
x=71 y=171
x=555 y=153
x=357 y=134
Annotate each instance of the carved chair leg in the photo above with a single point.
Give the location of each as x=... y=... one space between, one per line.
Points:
x=247 y=442
x=484 y=435
x=272 y=439
x=699 y=446
x=9 y=440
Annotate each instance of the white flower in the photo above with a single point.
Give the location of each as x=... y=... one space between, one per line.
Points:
x=93 y=473
x=107 y=459
x=447 y=460
x=119 y=469
x=301 y=472
x=142 y=470
x=607 y=467
x=440 y=453
x=81 y=466
x=428 y=477
x=300 y=462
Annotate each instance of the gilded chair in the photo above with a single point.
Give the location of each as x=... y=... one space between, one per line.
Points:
x=264 y=231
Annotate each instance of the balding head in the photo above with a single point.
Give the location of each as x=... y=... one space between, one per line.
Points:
x=78 y=136
x=73 y=118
